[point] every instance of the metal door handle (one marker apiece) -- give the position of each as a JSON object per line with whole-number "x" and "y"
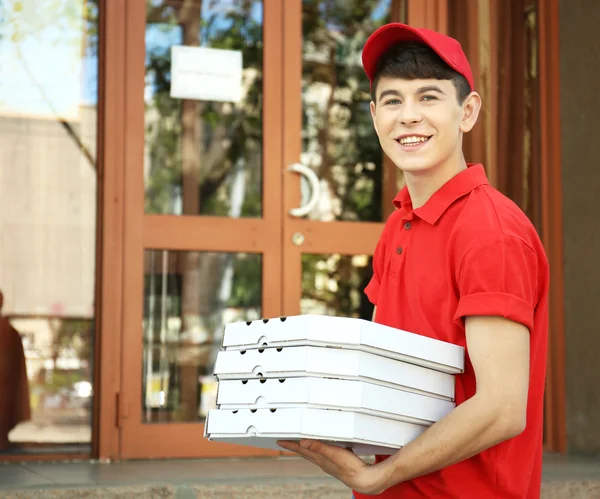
{"x": 313, "y": 180}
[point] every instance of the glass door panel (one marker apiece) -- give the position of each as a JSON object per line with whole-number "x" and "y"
{"x": 339, "y": 187}
{"x": 48, "y": 199}
{"x": 338, "y": 139}
{"x": 188, "y": 298}
{"x": 202, "y": 156}
{"x": 333, "y": 285}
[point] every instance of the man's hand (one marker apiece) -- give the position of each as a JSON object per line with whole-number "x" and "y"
{"x": 340, "y": 463}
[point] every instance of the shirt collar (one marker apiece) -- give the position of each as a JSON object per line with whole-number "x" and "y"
{"x": 454, "y": 189}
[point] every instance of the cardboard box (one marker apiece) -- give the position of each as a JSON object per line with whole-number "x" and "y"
{"x": 336, "y": 394}
{"x": 366, "y": 434}
{"x": 345, "y": 333}
{"x": 293, "y": 362}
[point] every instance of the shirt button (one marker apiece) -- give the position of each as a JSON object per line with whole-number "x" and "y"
{"x": 407, "y": 226}
{"x": 399, "y": 250}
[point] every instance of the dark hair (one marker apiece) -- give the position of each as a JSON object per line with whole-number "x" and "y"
{"x": 412, "y": 61}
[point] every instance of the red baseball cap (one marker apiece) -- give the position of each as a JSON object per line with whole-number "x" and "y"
{"x": 390, "y": 34}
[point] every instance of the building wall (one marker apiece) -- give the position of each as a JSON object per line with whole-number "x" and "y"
{"x": 47, "y": 215}
{"x": 580, "y": 108}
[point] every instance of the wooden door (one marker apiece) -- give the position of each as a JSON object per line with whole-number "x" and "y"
{"x": 202, "y": 231}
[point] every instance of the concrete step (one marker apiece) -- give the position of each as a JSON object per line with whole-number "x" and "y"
{"x": 292, "y": 490}
{"x": 292, "y": 478}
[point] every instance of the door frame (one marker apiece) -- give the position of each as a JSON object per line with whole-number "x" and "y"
{"x": 111, "y": 193}
{"x": 552, "y": 221}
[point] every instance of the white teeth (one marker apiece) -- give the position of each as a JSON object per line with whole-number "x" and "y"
{"x": 407, "y": 141}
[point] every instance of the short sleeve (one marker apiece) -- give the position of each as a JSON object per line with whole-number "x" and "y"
{"x": 499, "y": 278}
{"x": 372, "y": 289}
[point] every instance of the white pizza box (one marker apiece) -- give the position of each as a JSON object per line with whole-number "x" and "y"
{"x": 367, "y": 435}
{"x": 336, "y": 394}
{"x": 293, "y": 362}
{"x": 345, "y": 332}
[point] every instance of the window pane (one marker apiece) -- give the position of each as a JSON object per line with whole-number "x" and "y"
{"x": 48, "y": 175}
{"x": 338, "y": 138}
{"x": 188, "y": 298}
{"x": 334, "y": 285}
{"x": 203, "y": 157}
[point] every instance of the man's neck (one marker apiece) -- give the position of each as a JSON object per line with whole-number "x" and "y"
{"x": 421, "y": 186}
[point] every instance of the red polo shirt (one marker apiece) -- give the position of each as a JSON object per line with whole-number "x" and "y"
{"x": 468, "y": 251}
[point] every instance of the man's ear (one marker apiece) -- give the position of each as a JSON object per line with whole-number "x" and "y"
{"x": 471, "y": 107}
{"x": 373, "y": 117}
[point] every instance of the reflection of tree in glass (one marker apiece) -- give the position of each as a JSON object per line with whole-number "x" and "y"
{"x": 334, "y": 284}
{"x": 70, "y": 337}
{"x": 197, "y": 148}
{"x": 194, "y": 146}
{"x": 338, "y": 136}
{"x": 340, "y": 143}
{"x": 57, "y": 23}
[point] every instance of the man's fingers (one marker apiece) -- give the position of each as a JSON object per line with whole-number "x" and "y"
{"x": 289, "y": 445}
{"x": 316, "y": 451}
{"x": 331, "y": 452}
{"x": 300, "y": 448}
{"x": 310, "y": 445}
{"x": 296, "y": 447}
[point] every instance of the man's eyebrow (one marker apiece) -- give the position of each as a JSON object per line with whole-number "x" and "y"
{"x": 430, "y": 88}
{"x": 385, "y": 93}
{"x": 420, "y": 90}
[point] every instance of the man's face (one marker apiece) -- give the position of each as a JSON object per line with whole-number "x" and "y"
{"x": 420, "y": 122}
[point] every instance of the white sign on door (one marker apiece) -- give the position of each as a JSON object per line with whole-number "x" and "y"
{"x": 206, "y": 74}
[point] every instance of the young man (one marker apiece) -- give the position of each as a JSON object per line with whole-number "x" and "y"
{"x": 459, "y": 262}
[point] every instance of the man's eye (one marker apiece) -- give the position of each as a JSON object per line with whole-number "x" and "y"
{"x": 392, "y": 102}
{"x": 429, "y": 97}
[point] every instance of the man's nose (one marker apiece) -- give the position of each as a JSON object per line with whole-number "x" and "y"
{"x": 409, "y": 114}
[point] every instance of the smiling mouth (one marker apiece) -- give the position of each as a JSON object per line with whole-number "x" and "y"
{"x": 413, "y": 141}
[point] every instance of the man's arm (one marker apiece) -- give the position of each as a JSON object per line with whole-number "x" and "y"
{"x": 499, "y": 351}
{"x": 374, "y": 312}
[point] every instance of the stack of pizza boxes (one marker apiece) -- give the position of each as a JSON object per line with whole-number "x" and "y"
{"x": 340, "y": 380}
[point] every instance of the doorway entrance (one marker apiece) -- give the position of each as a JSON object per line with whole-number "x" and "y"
{"x": 258, "y": 200}
{"x": 265, "y": 206}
